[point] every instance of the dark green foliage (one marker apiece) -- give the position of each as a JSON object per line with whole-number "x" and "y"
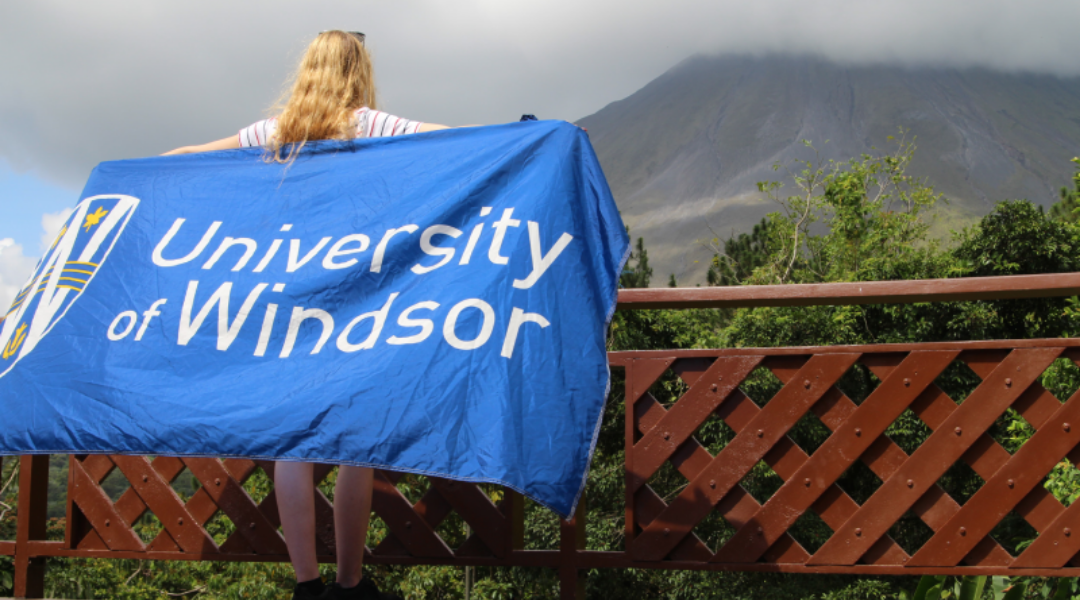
{"x": 639, "y": 275}
{"x": 1019, "y": 238}
{"x": 742, "y": 254}
{"x": 1065, "y": 209}
{"x": 8, "y": 498}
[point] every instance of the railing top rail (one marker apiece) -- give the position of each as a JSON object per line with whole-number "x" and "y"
{"x": 861, "y": 292}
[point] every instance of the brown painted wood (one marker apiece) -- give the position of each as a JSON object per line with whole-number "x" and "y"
{"x": 474, "y": 506}
{"x": 418, "y": 537}
{"x": 644, "y": 373}
{"x": 1065, "y": 344}
{"x": 862, "y": 292}
{"x": 113, "y": 529}
{"x": 237, "y": 505}
{"x": 1003, "y": 491}
{"x": 165, "y": 504}
{"x": 736, "y": 460}
{"x": 935, "y": 456}
{"x": 785, "y": 457}
{"x": 839, "y": 451}
{"x": 97, "y": 467}
{"x": 985, "y": 456}
{"x": 630, "y": 397}
{"x": 691, "y": 369}
{"x": 76, "y": 526}
{"x": 31, "y": 525}
{"x": 692, "y": 458}
{"x": 692, "y": 409}
{"x": 572, "y": 540}
{"x": 513, "y": 506}
{"x": 935, "y": 507}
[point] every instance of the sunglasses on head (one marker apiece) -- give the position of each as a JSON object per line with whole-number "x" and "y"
{"x": 355, "y": 34}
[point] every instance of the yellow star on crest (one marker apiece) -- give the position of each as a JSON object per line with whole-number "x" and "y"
{"x": 94, "y": 219}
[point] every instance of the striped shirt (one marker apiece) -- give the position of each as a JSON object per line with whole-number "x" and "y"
{"x": 369, "y": 123}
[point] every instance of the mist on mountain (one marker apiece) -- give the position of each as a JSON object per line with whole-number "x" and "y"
{"x": 684, "y": 153}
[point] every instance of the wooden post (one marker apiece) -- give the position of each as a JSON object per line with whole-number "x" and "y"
{"x": 572, "y": 539}
{"x": 33, "y": 511}
{"x": 513, "y": 506}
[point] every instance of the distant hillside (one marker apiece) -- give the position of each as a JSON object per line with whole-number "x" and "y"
{"x": 689, "y": 147}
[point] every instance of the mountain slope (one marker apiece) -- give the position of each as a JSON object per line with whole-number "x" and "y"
{"x": 684, "y": 153}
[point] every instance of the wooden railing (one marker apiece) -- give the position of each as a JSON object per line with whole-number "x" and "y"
{"x": 714, "y": 519}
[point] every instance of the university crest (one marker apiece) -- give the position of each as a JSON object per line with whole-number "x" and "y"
{"x": 63, "y": 274}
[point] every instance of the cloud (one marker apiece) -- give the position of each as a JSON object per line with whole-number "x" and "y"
{"x": 15, "y": 269}
{"x": 51, "y": 224}
{"x": 107, "y": 80}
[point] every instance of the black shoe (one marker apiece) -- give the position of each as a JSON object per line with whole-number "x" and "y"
{"x": 365, "y": 590}
{"x": 307, "y": 591}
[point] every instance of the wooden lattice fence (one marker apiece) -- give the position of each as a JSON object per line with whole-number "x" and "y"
{"x": 691, "y": 504}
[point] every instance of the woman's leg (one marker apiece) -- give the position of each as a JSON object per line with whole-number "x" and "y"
{"x": 295, "y": 489}
{"x": 352, "y": 509}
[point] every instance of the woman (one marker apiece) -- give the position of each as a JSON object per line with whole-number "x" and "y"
{"x": 333, "y": 98}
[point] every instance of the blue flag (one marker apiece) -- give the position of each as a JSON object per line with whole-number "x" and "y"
{"x": 432, "y": 303}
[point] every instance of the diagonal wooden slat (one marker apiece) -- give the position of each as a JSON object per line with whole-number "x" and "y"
{"x": 935, "y": 456}
{"x": 936, "y": 506}
{"x": 1004, "y": 490}
{"x": 649, "y": 505}
{"x": 418, "y": 537}
{"x": 97, "y": 467}
{"x": 692, "y": 409}
{"x": 838, "y": 452}
{"x": 643, "y": 374}
{"x": 99, "y": 510}
{"x": 834, "y": 506}
{"x": 474, "y": 506}
{"x": 691, "y": 459}
{"x": 237, "y": 505}
{"x": 432, "y": 509}
{"x": 1056, "y": 545}
{"x": 884, "y": 457}
{"x": 736, "y": 460}
{"x": 163, "y": 502}
{"x": 691, "y": 369}
{"x": 985, "y": 456}
{"x": 324, "y": 511}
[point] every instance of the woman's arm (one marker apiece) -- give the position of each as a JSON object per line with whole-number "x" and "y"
{"x": 227, "y": 143}
{"x": 426, "y": 127}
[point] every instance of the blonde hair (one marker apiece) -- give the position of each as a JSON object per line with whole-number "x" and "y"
{"x": 333, "y": 80}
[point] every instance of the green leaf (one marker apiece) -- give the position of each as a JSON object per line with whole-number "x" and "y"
{"x": 927, "y": 583}
{"x": 971, "y": 587}
{"x": 1064, "y": 588}
{"x": 998, "y": 585}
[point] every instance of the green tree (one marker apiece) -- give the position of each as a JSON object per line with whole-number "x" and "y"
{"x": 1065, "y": 209}
{"x": 741, "y": 255}
{"x": 1018, "y": 237}
{"x": 638, "y": 275}
{"x": 848, "y": 221}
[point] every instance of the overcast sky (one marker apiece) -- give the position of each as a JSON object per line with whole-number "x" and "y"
{"x": 83, "y": 82}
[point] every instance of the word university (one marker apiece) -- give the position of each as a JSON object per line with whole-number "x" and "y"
{"x": 434, "y": 303}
